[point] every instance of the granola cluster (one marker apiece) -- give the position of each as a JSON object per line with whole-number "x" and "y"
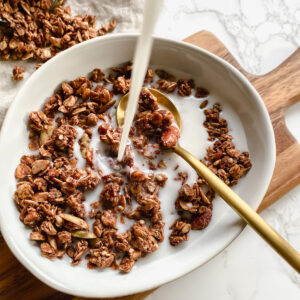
{"x": 18, "y": 73}
{"x": 41, "y": 29}
{"x": 194, "y": 205}
{"x": 227, "y": 162}
{"x": 52, "y": 189}
{"x": 152, "y": 123}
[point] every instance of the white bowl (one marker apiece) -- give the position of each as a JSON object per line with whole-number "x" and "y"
{"x": 155, "y": 269}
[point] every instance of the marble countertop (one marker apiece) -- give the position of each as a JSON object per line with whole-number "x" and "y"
{"x": 260, "y": 34}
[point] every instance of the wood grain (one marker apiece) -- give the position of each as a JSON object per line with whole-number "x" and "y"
{"x": 279, "y": 89}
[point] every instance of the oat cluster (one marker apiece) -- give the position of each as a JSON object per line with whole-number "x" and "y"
{"x": 51, "y": 188}
{"x": 18, "y": 73}
{"x": 194, "y": 203}
{"x": 31, "y": 29}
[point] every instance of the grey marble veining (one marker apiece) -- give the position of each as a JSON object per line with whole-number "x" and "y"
{"x": 249, "y": 28}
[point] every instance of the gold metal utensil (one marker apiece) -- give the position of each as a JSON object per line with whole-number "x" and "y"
{"x": 276, "y": 241}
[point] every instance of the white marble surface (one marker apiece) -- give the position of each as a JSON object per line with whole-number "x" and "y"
{"x": 260, "y": 34}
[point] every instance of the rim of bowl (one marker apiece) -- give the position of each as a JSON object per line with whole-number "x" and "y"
{"x": 270, "y": 164}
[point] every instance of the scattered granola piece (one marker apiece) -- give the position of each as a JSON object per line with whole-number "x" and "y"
{"x": 18, "y": 73}
{"x": 203, "y": 104}
{"x": 167, "y": 86}
{"x": 162, "y": 164}
{"x": 201, "y": 93}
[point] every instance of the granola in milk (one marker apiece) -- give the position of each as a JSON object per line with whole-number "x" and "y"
{"x": 51, "y": 189}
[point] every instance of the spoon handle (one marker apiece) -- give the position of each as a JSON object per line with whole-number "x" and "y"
{"x": 273, "y": 238}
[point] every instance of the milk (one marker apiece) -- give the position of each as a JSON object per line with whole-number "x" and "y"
{"x": 193, "y": 138}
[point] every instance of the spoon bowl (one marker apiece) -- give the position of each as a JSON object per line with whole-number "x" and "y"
{"x": 162, "y": 99}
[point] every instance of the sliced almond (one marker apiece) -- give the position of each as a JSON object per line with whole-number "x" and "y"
{"x": 186, "y": 228}
{"x": 46, "y": 134}
{"x": 188, "y": 206}
{"x": 40, "y": 166}
{"x": 83, "y": 234}
{"x": 75, "y": 220}
{"x": 52, "y": 241}
{"x": 84, "y": 144}
{"x": 59, "y": 221}
{"x": 70, "y": 102}
{"x": 29, "y": 202}
{"x": 78, "y": 110}
{"x": 203, "y": 196}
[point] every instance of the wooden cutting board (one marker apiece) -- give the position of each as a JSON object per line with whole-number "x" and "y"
{"x": 279, "y": 89}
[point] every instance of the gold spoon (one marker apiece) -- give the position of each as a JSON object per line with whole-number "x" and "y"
{"x": 277, "y": 242}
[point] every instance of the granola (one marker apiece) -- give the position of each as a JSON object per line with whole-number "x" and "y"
{"x": 39, "y": 30}
{"x": 52, "y": 188}
{"x": 18, "y": 73}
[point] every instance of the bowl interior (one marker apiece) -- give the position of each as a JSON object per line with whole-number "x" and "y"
{"x": 166, "y": 264}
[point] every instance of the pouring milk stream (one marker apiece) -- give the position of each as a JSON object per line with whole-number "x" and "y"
{"x": 140, "y": 64}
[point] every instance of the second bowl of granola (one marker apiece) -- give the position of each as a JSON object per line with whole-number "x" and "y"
{"x": 87, "y": 225}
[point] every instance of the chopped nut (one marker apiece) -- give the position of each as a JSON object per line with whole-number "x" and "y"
{"x": 201, "y": 221}
{"x": 170, "y": 137}
{"x": 184, "y": 88}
